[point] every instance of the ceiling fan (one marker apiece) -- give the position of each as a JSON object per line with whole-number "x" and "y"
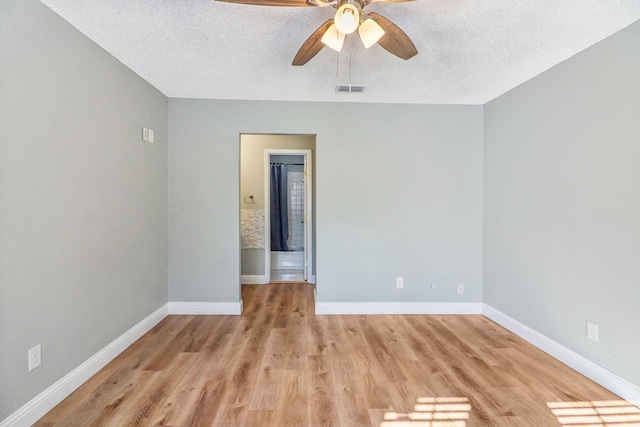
{"x": 372, "y": 28}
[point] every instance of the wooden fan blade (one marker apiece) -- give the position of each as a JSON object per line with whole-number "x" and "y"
{"x": 285, "y": 3}
{"x": 312, "y": 45}
{"x": 389, "y": 1}
{"x": 394, "y": 41}
{"x": 322, "y": 3}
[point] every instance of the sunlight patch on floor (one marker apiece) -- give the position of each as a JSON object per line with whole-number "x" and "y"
{"x": 432, "y": 412}
{"x": 607, "y": 413}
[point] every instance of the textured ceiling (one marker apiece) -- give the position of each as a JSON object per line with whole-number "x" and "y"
{"x": 470, "y": 51}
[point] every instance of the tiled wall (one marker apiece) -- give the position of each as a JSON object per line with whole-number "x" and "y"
{"x": 295, "y": 203}
{"x": 252, "y": 229}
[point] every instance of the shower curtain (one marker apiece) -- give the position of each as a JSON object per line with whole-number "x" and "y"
{"x": 279, "y": 212}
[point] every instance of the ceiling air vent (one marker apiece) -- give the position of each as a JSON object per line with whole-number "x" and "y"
{"x": 350, "y": 89}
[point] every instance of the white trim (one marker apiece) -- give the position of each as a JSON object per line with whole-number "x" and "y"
{"x": 398, "y": 308}
{"x": 312, "y": 279}
{"x": 308, "y": 244}
{"x": 586, "y": 367}
{"x": 308, "y": 212}
{"x": 267, "y": 213}
{"x": 254, "y": 280}
{"x": 205, "y": 308}
{"x": 37, "y": 407}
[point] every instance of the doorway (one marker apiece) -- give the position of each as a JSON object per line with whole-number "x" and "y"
{"x": 288, "y": 224}
{"x": 295, "y": 259}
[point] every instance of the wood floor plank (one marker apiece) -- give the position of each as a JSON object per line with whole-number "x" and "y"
{"x": 292, "y": 410}
{"x": 322, "y": 399}
{"x": 383, "y": 351}
{"x": 348, "y": 390}
{"x": 260, "y": 418}
{"x": 208, "y": 404}
{"x": 126, "y": 410}
{"x": 270, "y": 380}
{"x": 232, "y": 416}
{"x": 281, "y": 365}
{"x": 283, "y": 309}
{"x": 372, "y": 363}
{"x": 316, "y": 338}
{"x": 178, "y": 343}
{"x": 183, "y": 391}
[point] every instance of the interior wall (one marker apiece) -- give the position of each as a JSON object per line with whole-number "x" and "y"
{"x": 398, "y": 193}
{"x": 252, "y": 148}
{"x": 562, "y": 202}
{"x": 83, "y": 200}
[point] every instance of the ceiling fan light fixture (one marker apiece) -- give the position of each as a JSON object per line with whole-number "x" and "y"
{"x": 333, "y": 38}
{"x": 370, "y": 32}
{"x": 347, "y": 18}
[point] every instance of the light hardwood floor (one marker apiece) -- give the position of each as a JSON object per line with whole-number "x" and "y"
{"x": 280, "y": 365}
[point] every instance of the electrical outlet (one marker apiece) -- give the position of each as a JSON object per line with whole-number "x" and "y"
{"x": 35, "y": 357}
{"x": 434, "y": 285}
{"x": 460, "y": 288}
{"x": 399, "y": 282}
{"x": 592, "y": 331}
{"x": 147, "y": 134}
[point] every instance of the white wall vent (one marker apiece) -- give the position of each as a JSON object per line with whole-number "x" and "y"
{"x": 350, "y": 89}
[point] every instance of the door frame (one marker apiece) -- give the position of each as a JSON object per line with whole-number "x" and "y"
{"x": 308, "y": 206}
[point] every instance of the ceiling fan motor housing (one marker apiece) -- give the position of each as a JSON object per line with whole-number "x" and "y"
{"x": 347, "y": 17}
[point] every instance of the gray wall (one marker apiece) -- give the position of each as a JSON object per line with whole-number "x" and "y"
{"x": 83, "y": 216}
{"x": 398, "y": 193}
{"x": 562, "y": 203}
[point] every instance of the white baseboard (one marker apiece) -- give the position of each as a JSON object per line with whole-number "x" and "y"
{"x": 398, "y": 308}
{"x": 589, "y": 369}
{"x": 253, "y": 280}
{"x": 205, "y": 308}
{"x": 33, "y": 410}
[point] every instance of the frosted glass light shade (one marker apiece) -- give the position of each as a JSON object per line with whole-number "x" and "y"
{"x": 333, "y": 38}
{"x": 370, "y": 32}
{"x": 347, "y": 18}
